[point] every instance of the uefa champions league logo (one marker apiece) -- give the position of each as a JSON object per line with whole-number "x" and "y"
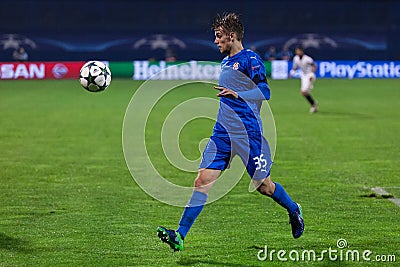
{"x": 311, "y": 40}
{"x": 14, "y": 41}
{"x": 162, "y": 41}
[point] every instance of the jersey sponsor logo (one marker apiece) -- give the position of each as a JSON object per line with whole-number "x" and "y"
{"x": 235, "y": 66}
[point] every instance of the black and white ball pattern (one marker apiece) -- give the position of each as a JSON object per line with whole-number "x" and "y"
{"x": 95, "y": 76}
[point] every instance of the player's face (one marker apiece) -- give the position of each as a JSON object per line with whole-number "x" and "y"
{"x": 299, "y": 52}
{"x": 223, "y": 41}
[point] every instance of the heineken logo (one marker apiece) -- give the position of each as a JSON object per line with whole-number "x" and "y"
{"x": 192, "y": 70}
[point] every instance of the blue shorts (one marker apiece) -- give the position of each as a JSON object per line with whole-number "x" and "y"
{"x": 253, "y": 150}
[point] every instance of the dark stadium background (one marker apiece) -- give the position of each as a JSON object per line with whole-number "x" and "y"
{"x": 123, "y": 30}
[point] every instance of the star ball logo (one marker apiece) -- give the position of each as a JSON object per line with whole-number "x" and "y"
{"x": 14, "y": 41}
{"x": 161, "y": 41}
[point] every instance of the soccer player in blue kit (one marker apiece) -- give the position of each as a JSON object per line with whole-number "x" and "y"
{"x": 237, "y": 131}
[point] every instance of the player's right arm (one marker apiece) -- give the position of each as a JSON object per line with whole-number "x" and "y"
{"x": 294, "y": 68}
{"x": 226, "y": 92}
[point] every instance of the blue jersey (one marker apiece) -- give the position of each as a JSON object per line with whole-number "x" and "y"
{"x": 245, "y": 74}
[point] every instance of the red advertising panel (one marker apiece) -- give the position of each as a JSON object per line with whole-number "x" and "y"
{"x": 40, "y": 70}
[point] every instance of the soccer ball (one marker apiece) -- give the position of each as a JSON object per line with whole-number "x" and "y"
{"x": 95, "y": 76}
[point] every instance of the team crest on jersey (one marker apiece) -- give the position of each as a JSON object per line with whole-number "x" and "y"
{"x": 235, "y": 66}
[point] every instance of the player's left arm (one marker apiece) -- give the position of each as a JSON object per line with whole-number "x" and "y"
{"x": 257, "y": 74}
{"x": 314, "y": 67}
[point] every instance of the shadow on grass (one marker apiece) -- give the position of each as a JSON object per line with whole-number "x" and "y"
{"x": 372, "y": 195}
{"x": 14, "y": 244}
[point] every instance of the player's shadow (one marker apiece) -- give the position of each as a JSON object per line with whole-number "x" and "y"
{"x": 14, "y": 244}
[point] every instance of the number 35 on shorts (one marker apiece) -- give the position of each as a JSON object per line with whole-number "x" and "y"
{"x": 261, "y": 163}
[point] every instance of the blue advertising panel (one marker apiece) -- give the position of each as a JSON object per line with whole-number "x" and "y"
{"x": 342, "y": 69}
{"x": 358, "y": 69}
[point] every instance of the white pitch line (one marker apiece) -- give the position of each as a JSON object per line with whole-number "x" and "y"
{"x": 382, "y": 192}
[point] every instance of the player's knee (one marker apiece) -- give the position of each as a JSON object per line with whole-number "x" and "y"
{"x": 200, "y": 181}
{"x": 304, "y": 93}
{"x": 197, "y": 182}
{"x": 267, "y": 188}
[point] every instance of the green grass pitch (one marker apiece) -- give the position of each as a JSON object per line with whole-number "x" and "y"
{"x": 67, "y": 197}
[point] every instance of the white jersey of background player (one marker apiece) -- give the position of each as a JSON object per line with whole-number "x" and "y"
{"x": 307, "y": 66}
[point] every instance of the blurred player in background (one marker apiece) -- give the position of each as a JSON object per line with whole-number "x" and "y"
{"x": 308, "y": 68}
{"x": 237, "y": 131}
